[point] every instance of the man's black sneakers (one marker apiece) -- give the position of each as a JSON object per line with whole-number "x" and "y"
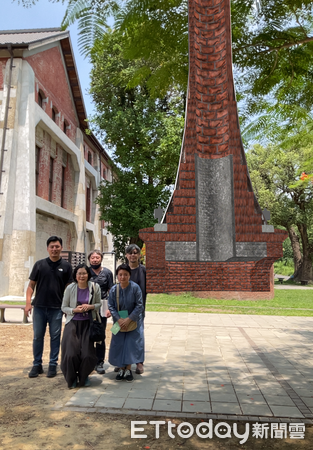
{"x": 35, "y": 371}
{"x": 52, "y": 371}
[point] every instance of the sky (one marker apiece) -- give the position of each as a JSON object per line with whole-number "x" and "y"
{"x": 45, "y": 14}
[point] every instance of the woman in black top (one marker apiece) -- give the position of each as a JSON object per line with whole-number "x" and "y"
{"x": 103, "y": 277}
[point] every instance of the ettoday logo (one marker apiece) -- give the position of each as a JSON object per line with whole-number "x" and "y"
{"x": 222, "y": 430}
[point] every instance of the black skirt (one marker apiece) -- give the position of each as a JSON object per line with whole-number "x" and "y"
{"x": 78, "y": 352}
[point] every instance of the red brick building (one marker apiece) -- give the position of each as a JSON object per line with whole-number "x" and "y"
{"x": 50, "y": 169}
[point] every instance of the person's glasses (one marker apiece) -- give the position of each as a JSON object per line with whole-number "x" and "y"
{"x": 133, "y": 253}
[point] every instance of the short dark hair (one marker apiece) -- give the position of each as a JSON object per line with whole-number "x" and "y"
{"x": 131, "y": 248}
{"x": 124, "y": 267}
{"x": 54, "y": 239}
{"x": 81, "y": 266}
{"x": 98, "y": 252}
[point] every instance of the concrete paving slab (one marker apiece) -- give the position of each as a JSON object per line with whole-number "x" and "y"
{"x": 279, "y": 400}
{"x": 286, "y": 411}
{"x": 106, "y": 401}
{"x": 84, "y": 397}
{"x": 251, "y": 399}
{"x": 169, "y": 394}
{"x": 138, "y": 403}
{"x": 225, "y": 408}
{"x": 256, "y": 410}
{"x": 223, "y": 397}
{"x": 191, "y": 395}
{"x": 167, "y": 405}
{"x": 197, "y": 407}
{"x": 139, "y": 393}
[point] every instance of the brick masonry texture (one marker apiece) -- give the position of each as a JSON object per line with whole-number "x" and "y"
{"x": 52, "y": 82}
{"x": 212, "y": 132}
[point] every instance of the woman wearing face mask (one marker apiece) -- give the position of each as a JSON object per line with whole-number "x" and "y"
{"x": 103, "y": 277}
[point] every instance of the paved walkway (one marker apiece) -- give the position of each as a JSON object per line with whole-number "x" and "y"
{"x": 238, "y": 367}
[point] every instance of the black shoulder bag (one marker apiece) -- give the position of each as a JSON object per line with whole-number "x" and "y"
{"x": 96, "y": 329}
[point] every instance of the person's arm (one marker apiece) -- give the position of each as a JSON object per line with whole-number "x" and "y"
{"x": 112, "y": 305}
{"x": 97, "y": 299}
{"x": 29, "y": 293}
{"x": 134, "y": 315}
{"x": 66, "y": 302}
{"x": 70, "y": 279}
{"x": 110, "y": 285}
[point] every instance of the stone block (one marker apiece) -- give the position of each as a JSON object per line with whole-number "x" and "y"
{"x": 215, "y": 216}
{"x": 180, "y": 251}
{"x": 160, "y": 227}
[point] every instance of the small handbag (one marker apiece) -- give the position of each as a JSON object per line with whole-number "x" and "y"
{"x": 132, "y": 324}
{"x": 96, "y": 329}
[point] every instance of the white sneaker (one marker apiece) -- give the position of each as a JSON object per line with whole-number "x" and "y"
{"x": 128, "y": 376}
{"x": 120, "y": 375}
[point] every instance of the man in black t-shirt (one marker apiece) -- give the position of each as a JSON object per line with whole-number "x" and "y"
{"x": 138, "y": 276}
{"x": 50, "y": 276}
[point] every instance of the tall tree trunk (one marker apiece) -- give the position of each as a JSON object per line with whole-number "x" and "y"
{"x": 295, "y": 245}
{"x": 135, "y": 240}
{"x": 305, "y": 271}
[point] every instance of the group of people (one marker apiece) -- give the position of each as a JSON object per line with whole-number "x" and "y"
{"x": 79, "y": 294}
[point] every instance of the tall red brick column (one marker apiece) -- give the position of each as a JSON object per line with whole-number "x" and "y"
{"x": 213, "y": 236}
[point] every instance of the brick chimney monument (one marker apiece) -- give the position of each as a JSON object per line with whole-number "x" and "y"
{"x": 213, "y": 237}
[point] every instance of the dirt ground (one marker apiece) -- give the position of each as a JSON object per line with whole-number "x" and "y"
{"x": 28, "y": 423}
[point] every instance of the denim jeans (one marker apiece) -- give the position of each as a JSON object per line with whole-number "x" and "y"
{"x": 42, "y": 316}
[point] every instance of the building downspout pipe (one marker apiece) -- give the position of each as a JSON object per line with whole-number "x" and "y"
{"x": 6, "y": 116}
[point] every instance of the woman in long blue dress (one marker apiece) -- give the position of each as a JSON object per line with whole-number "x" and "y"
{"x": 127, "y": 347}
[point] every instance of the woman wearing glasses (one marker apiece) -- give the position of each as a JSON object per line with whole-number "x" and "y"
{"x": 78, "y": 352}
{"x": 138, "y": 276}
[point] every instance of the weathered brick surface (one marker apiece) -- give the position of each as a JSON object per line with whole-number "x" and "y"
{"x": 52, "y": 81}
{"x": 212, "y": 131}
{"x": 3, "y": 62}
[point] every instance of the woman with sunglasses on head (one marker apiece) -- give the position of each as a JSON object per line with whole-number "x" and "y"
{"x": 138, "y": 276}
{"x": 104, "y": 278}
{"x": 78, "y": 352}
{"x": 127, "y": 347}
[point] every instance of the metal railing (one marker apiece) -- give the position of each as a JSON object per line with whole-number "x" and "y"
{"x": 74, "y": 258}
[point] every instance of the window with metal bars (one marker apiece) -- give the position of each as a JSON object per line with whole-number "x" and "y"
{"x": 51, "y": 179}
{"x": 37, "y": 167}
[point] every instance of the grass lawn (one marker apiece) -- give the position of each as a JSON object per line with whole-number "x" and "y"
{"x": 293, "y": 302}
{"x": 287, "y": 302}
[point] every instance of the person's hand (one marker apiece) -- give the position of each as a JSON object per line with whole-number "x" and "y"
{"x": 108, "y": 314}
{"x": 28, "y": 309}
{"x": 78, "y": 309}
{"x": 124, "y": 323}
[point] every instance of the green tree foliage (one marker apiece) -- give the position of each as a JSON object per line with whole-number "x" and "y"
{"x": 274, "y": 173}
{"x": 274, "y": 52}
{"x": 91, "y": 18}
{"x": 144, "y": 135}
{"x": 156, "y": 33}
{"x": 272, "y": 47}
